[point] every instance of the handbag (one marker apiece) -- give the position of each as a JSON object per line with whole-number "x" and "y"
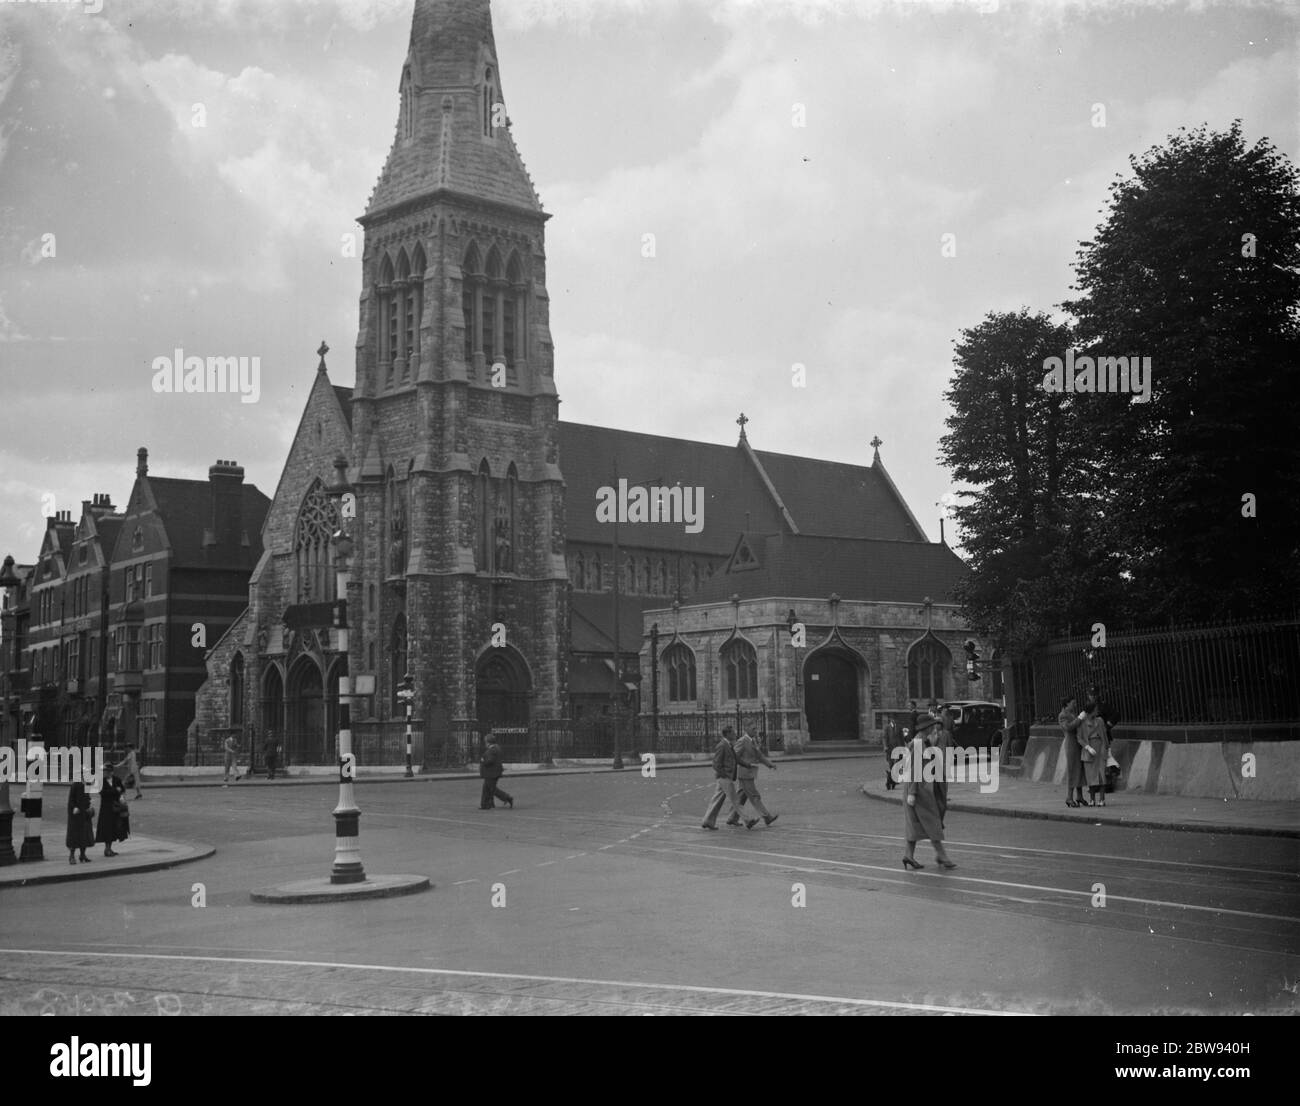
{"x": 1111, "y": 762}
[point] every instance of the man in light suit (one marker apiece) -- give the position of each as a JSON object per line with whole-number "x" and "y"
{"x": 748, "y": 757}
{"x": 724, "y": 773}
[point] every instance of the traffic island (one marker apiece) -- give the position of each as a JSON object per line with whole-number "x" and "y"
{"x": 322, "y": 890}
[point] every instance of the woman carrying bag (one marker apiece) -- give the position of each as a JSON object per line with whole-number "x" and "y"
{"x": 1093, "y": 747}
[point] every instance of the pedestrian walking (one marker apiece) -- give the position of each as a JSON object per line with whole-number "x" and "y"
{"x": 1069, "y": 720}
{"x": 724, "y": 774}
{"x": 231, "y": 750}
{"x": 81, "y": 823}
{"x": 114, "y": 819}
{"x": 271, "y": 751}
{"x": 892, "y": 740}
{"x": 129, "y": 769}
{"x": 491, "y": 768}
{"x": 1093, "y": 747}
{"x": 922, "y": 818}
{"x": 748, "y": 757}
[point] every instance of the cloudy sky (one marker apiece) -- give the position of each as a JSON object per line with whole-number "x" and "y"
{"x": 776, "y": 245}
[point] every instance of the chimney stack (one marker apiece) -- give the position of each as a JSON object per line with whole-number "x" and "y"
{"x": 226, "y": 484}
{"x": 141, "y": 462}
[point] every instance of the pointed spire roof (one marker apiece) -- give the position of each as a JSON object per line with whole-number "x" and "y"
{"x": 449, "y": 81}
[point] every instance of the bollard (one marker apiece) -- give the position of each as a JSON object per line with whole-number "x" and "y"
{"x": 31, "y": 802}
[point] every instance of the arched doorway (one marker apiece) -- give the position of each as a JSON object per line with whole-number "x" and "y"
{"x": 272, "y": 702}
{"x": 501, "y": 686}
{"x": 305, "y": 740}
{"x": 830, "y": 695}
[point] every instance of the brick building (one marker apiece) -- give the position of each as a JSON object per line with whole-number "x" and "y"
{"x": 480, "y": 563}
{"x": 176, "y": 579}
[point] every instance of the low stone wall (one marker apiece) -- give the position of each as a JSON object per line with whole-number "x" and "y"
{"x": 1209, "y": 769}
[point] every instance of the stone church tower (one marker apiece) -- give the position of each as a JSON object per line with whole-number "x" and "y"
{"x": 460, "y": 503}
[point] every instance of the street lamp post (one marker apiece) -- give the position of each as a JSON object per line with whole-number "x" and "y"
{"x": 406, "y": 693}
{"x": 8, "y": 579}
{"x": 347, "y": 817}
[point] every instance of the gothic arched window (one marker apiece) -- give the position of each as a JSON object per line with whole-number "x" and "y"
{"x": 237, "y": 690}
{"x": 471, "y": 292}
{"x": 579, "y": 572}
{"x": 313, "y": 555}
{"x": 413, "y": 301}
{"x": 740, "y": 669}
{"x": 679, "y": 668}
{"x": 482, "y": 519}
{"x": 490, "y": 307}
{"x": 387, "y": 320}
{"x": 503, "y": 531}
{"x": 398, "y": 661}
{"x": 927, "y": 664}
{"x": 661, "y": 581}
{"x": 395, "y": 517}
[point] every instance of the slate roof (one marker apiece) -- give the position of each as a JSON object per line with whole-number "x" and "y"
{"x": 801, "y": 566}
{"x": 344, "y": 396}
{"x": 592, "y": 624}
{"x": 448, "y": 150}
{"x": 823, "y": 497}
{"x": 185, "y": 508}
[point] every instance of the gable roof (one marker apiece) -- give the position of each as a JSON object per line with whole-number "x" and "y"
{"x": 800, "y": 566}
{"x": 823, "y": 497}
{"x": 185, "y": 508}
{"x": 344, "y": 396}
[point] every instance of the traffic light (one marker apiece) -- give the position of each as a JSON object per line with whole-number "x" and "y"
{"x": 972, "y": 659}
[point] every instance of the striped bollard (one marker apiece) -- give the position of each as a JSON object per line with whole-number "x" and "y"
{"x": 347, "y": 817}
{"x": 31, "y": 803}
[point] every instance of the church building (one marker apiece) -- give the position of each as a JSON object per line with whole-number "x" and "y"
{"x": 481, "y": 562}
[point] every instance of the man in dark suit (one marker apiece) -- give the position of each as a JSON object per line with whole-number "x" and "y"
{"x": 490, "y": 767}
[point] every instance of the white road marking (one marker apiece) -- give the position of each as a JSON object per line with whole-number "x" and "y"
{"x": 949, "y": 879}
{"x": 460, "y": 881}
{"x": 683, "y": 988}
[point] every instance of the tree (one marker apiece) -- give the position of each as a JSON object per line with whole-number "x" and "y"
{"x": 1034, "y": 526}
{"x": 1198, "y": 267}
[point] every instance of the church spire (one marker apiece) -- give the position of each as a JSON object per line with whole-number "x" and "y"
{"x": 453, "y": 133}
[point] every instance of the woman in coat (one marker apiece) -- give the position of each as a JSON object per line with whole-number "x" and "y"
{"x": 922, "y": 815}
{"x": 1069, "y": 721}
{"x": 111, "y": 826}
{"x": 81, "y": 826}
{"x": 1091, "y": 735}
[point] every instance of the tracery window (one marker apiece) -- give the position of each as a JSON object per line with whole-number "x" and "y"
{"x": 927, "y": 664}
{"x": 679, "y": 667}
{"x": 313, "y": 555}
{"x": 740, "y": 669}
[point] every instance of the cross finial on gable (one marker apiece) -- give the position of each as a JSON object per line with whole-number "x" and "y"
{"x": 324, "y": 349}
{"x": 875, "y": 444}
{"x": 741, "y": 423}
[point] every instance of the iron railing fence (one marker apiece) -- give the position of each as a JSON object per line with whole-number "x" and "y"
{"x": 1230, "y": 673}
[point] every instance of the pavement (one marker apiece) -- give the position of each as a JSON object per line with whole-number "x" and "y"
{"x": 135, "y": 854}
{"x": 1016, "y": 798}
